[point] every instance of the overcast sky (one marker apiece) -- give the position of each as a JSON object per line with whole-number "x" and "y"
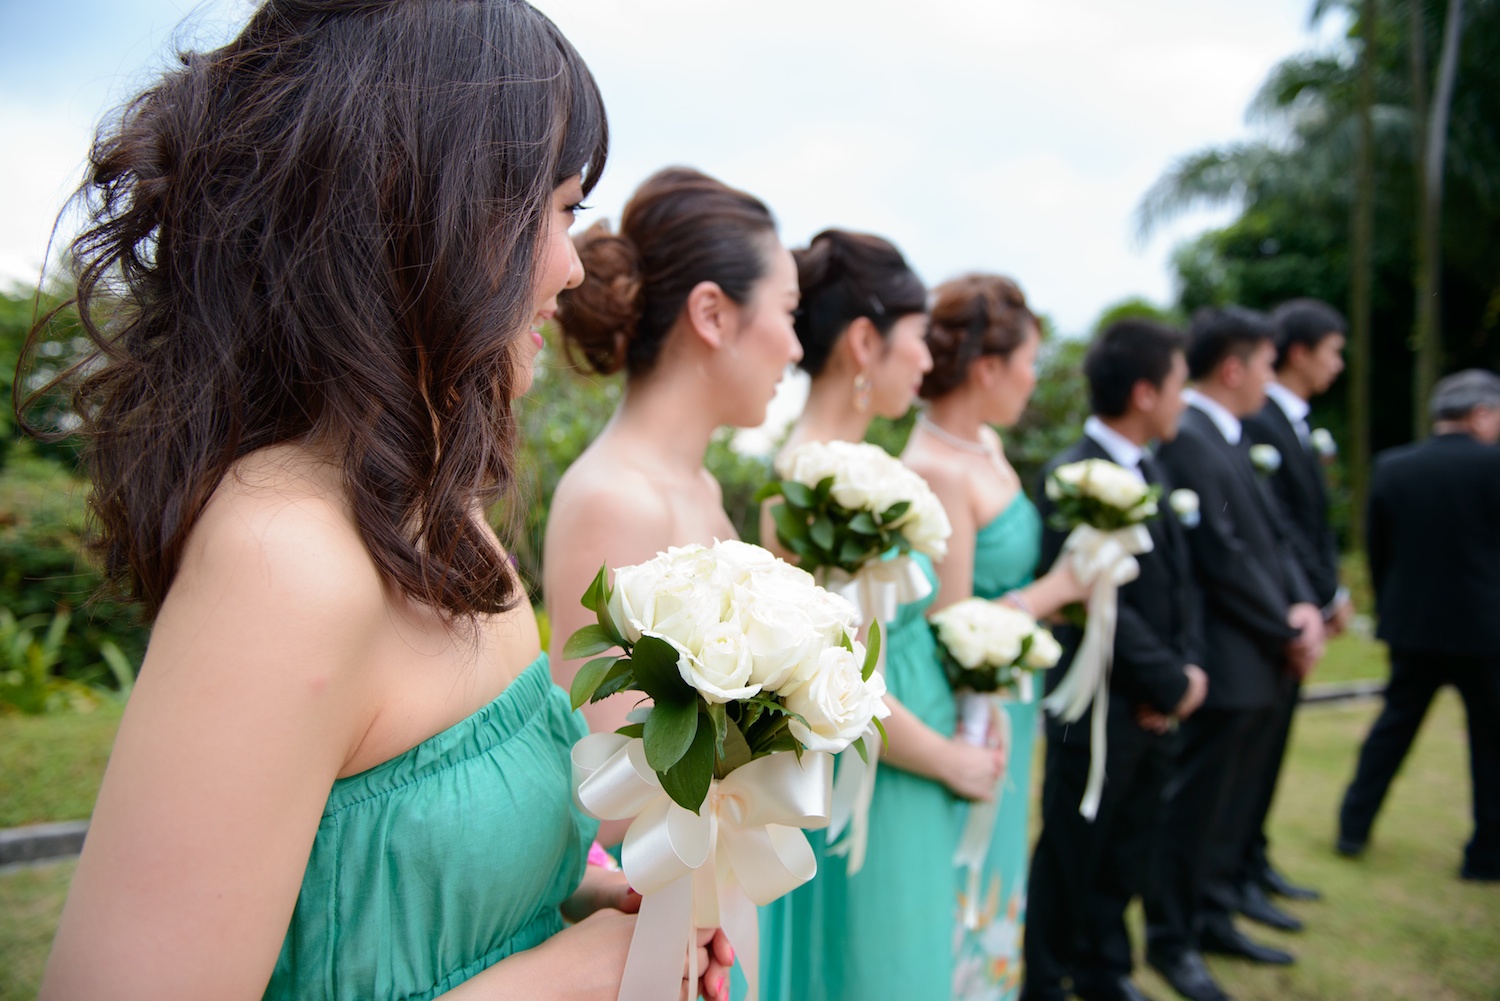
{"x": 1005, "y": 135}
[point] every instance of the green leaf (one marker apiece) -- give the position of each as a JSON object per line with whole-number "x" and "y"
{"x": 656, "y": 672}
{"x": 765, "y": 493}
{"x": 736, "y": 751}
{"x": 587, "y": 642}
{"x": 688, "y": 779}
{"x": 772, "y": 706}
{"x": 798, "y": 495}
{"x": 632, "y": 730}
{"x": 720, "y": 717}
{"x": 783, "y": 742}
{"x": 821, "y": 532}
{"x": 880, "y": 729}
{"x": 594, "y": 598}
{"x": 852, "y": 550}
{"x": 620, "y": 678}
{"x": 669, "y": 732}
{"x": 895, "y": 512}
{"x": 824, "y": 489}
{"x": 588, "y": 679}
{"x": 872, "y": 652}
{"x": 791, "y": 524}
{"x": 864, "y": 524}
{"x": 859, "y": 748}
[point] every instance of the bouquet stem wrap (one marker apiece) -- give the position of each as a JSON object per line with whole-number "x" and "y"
{"x": 876, "y": 590}
{"x": 709, "y": 869}
{"x": 976, "y": 713}
{"x": 1107, "y": 561}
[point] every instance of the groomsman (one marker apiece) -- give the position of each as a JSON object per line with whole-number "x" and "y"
{"x": 1258, "y": 618}
{"x": 1310, "y": 339}
{"x": 1434, "y": 547}
{"x": 1083, "y": 874}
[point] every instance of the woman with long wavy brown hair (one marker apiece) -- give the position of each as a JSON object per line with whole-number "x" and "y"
{"x": 315, "y": 267}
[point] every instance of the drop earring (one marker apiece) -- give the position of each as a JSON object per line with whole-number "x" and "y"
{"x": 862, "y": 393}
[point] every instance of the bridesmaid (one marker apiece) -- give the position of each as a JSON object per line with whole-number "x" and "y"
{"x": 693, "y": 299}
{"x": 886, "y": 932}
{"x": 983, "y": 341}
{"x": 343, "y": 772}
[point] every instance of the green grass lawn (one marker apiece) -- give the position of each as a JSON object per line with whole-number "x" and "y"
{"x": 51, "y": 766}
{"x": 1396, "y": 924}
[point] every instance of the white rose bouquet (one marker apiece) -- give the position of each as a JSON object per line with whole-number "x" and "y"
{"x": 1100, "y": 493}
{"x": 847, "y": 503}
{"x": 985, "y": 648}
{"x": 846, "y": 508}
{"x": 749, "y": 666}
{"x": 1104, "y": 508}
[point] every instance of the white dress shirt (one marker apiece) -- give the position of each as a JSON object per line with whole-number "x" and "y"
{"x": 1295, "y": 408}
{"x": 1124, "y": 452}
{"x": 1228, "y": 424}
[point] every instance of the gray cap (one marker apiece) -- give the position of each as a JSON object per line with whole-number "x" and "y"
{"x": 1456, "y": 395}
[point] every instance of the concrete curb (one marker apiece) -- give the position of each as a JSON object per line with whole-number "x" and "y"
{"x": 37, "y": 842}
{"x": 1334, "y": 692}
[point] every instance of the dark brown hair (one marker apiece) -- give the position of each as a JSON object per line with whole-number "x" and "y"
{"x": 681, "y": 227}
{"x": 1221, "y": 331}
{"x": 972, "y": 316}
{"x": 327, "y": 232}
{"x": 844, "y": 276}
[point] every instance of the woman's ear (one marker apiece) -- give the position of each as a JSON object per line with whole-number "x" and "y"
{"x": 710, "y": 314}
{"x": 866, "y": 346}
{"x": 988, "y": 371}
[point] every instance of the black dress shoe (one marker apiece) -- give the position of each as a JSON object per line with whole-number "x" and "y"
{"x": 1349, "y": 847}
{"x": 1189, "y": 976}
{"x": 1118, "y": 990}
{"x": 1255, "y": 905}
{"x": 1232, "y": 942}
{"x": 1276, "y": 883}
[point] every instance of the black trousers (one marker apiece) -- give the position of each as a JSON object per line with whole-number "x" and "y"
{"x": 1415, "y": 679}
{"x": 1084, "y": 873}
{"x": 1205, "y": 824}
{"x": 1256, "y": 864}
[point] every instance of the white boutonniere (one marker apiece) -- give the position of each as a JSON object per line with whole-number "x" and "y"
{"x": 1321, "y": 440}
{"x": 1184, "y": 504}
{"x": 1265, "y": 458}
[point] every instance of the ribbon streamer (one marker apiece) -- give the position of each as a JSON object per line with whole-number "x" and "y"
{"x": 710, "y": 869}
{"x": 1106, "y": 560}
{"x": 876, "y": 590}
{"x": 979, "y": 829}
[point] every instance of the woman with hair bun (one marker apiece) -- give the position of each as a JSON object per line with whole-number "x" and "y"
{"x": 693, "y": 300}
{"x": 886, "y": 931}
{"x": 314, "y": 270}
{"x": 984, "y": 341}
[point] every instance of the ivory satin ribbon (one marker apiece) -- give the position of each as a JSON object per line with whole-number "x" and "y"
{"x": 710, "y": 869}
{"x": 876, "y": 590}
{"x": 1107, "y": 560}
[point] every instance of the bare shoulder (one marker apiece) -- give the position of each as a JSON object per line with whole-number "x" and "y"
{"x": 601, "y": 494}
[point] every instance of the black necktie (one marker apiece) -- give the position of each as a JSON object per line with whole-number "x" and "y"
{"x": 1148, "y": 470}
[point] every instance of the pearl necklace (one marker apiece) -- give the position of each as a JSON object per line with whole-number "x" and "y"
{"x": 962, "y": 444}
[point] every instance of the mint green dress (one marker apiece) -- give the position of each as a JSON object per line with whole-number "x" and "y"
{"x": 444, "y": 860}
{"x": 886, "y": 932}
{"x": 988, "y": 962}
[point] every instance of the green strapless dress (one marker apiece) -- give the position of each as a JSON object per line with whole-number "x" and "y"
{"x": 444, "y": 860}
{"x": 888, "y": 931}
{"x": 989, "y": 958}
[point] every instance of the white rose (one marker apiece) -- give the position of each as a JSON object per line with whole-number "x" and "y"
{"x": 1266, "y": 458}
{"x": 1185, "y": 504}
{"x": 965, "y": 643}
{"x": 929, "y": 528}
{"x": 1321, "y": 439}
{"x": 1072, "y": 474}
{"x": 676, "y": 599}
{"x": 836, "y": 702}
{"x": 780, "y": 636}
{"x": 721, "y": 671}
{"x": 1045, "y": 650}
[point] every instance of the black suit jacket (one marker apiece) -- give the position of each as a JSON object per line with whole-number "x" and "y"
{"x": 1247, "y": 572}
{"x": 1159, "y": 630}
{"x": 1300, "y": 488}
{"x": 1434, "y": 545}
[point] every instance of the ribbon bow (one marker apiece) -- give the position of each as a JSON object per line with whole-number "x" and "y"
{"x": 710, "y": 869}
{"x": 1107, "y": 560}
{"x": 876, "y": 590}
{"x": 976, "y": 710}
